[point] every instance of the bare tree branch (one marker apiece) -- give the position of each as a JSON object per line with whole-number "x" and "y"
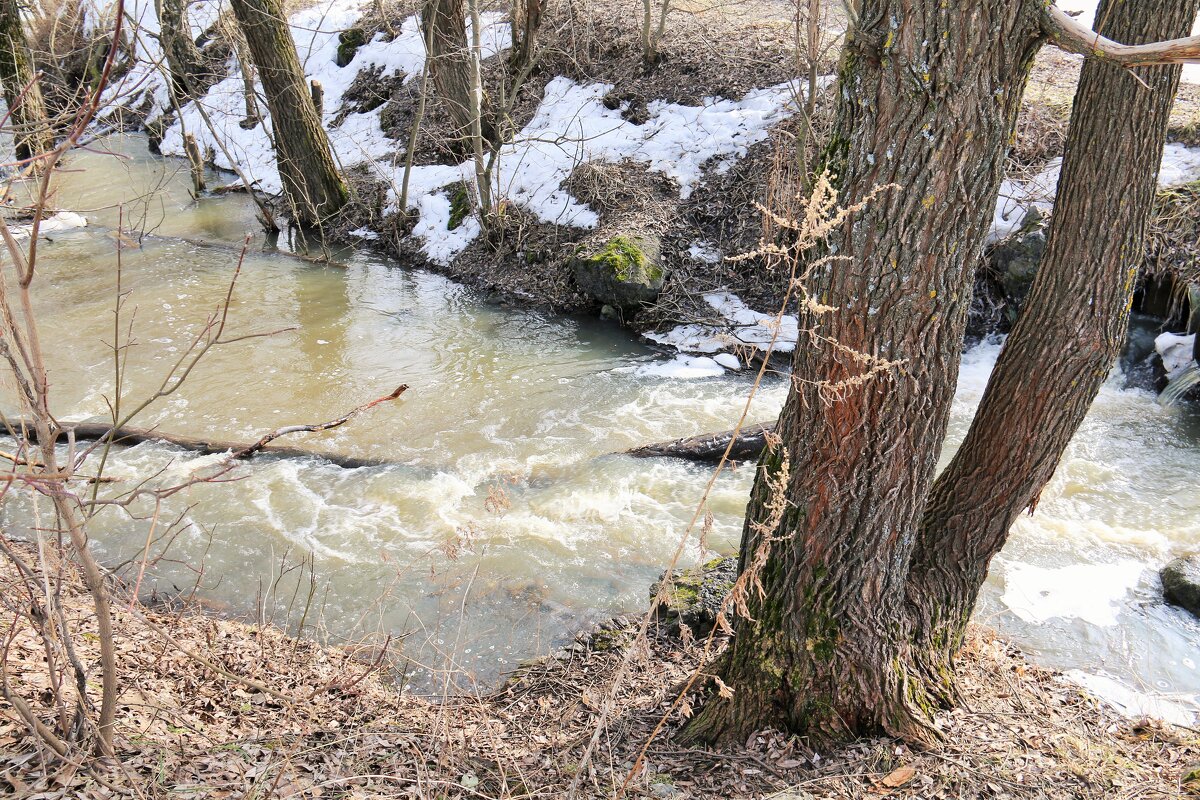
{"x": 1073, "y": 36}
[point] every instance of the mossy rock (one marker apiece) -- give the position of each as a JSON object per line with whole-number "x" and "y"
{"x": 1016, "y": 259}
{"x": 460, "y": 206}
{"x": 348, "y": 43}
{"x": 696, "y": 595}
{"x": 624, "y": 272}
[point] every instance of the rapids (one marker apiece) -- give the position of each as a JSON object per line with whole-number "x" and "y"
{"x": 506, "y": 522}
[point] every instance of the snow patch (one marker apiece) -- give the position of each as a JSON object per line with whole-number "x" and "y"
{"x": 62, "y": 221}
{"x": 728, "y": 361}
{"x": 704, "y": 252}
{"x": 743, "y": 326}
{"x": 1180, "y": 164}
{"x": 1175, "y": 350}
{"x": 571, "y": 125}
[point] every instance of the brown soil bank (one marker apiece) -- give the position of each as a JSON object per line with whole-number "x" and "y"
{"x": 213, "y": 708}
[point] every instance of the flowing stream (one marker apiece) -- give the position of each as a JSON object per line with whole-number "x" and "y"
{"x": 507, "y": 522}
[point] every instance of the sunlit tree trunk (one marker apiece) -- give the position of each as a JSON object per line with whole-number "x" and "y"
{"x": 310, "y": 177}
{"x": 175, "y": 34}
{"x": 32, "y": 134}
{"x": 1069, "y": 333}
{"x": 929, "y": 95}
{"x": 450, "y": 64}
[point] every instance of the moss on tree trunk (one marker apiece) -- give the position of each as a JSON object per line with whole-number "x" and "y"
{"x": 928, "y": 99}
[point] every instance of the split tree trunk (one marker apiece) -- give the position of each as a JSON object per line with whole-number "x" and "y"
{"x": 1069, "y": 333}
{"x": 928, "y": 99}
{"x": 449, "y": 62}
{"x": 183, "y": 57}
{"x": 311, "y": 181}
{"x": 30, "y": 125}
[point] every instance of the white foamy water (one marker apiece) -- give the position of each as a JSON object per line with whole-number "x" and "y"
{"x": 504, "y": 445}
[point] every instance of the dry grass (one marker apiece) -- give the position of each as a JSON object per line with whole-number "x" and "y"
{"x": 324, "y": 723}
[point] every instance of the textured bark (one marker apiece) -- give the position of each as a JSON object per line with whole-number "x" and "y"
{"x": 526, "y": 20}
{"x": 928, "y": 100}
{"x": 30, "y": 125}
{"x": 445, "y": 24}
{"x": 311, "y": 181}
{"x": 1070, "y": 331}
{"x": 183, "y": 57}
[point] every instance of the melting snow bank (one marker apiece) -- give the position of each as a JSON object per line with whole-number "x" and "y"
{"x": 1090, "y": 592}
{"x": 571, "y": 126}
{"x": 62, "y": 221}
{"x": 1175, "y": 350}
{"x": 1180, "y": 165}
{"x": 742, "y": 327}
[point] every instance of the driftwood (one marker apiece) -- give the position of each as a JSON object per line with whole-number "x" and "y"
{"x": 92, "y": 431}
{"x": 709, "y": 447}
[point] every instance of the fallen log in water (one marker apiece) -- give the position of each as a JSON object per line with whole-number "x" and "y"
{"x": 708, "y": 448}
{"x": 93, "y": 431}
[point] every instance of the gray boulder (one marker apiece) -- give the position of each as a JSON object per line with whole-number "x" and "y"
{"x": 1015, "y": 262}
{"x": 1181, "y": 583}
{"x": 624, "y": 272}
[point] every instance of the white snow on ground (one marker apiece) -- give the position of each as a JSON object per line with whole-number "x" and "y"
{"x": 1180, "y": 165}
{"x": 1176, "y": 709}
{"x": 1090, "y": 592}
{"x": 571, "y": 126}
{"x": 705, "y": 252}
{"x": 743, "y": 327}
{"x": 1175, "y": 350}
{"x": 728, "y": 361}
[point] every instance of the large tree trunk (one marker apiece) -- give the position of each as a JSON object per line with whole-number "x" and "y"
{"x": 445, "y": 26}
{"x": 310, "y": 178}
{"x": 928, "y": 99}
{"x": 183, "y": 57}
{"x": 31, "y": 127}
{"x": 1069, "y": 333}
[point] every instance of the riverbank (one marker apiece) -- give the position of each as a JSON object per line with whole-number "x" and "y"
{"x": 659, "y": 165}
{"x": 211, "y": 707}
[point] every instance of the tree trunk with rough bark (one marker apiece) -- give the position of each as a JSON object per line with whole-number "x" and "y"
{"x": 311, "y": 181}
{"x": 928, "y": 99}
{"x": 30, "y": 125}
{"x": 1070, "y": 331}
{"x": 450, "y": 60}
{"x": 183, "y": 57}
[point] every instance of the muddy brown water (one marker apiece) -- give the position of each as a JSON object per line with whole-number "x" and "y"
{"x": 503, "y": 444}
